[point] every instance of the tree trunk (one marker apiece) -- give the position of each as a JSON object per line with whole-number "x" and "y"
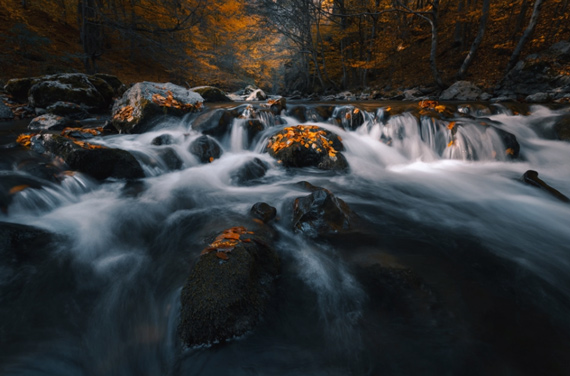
{"x": 471, "y": 55}
{"x": 526, "y": 35}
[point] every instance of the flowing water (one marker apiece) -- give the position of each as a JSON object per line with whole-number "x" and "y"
{"x": 458, "y": 268}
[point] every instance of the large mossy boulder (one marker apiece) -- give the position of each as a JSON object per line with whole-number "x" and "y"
{"x": 211, "y": 94}
{"x": 18, "y": 88}
{"x": 228, "y": 288}
{"x": 146, "y": 102}
{"x": 321, "y": 213}
{"x": 307, "y": 146}
{"x": 94, "y": 160}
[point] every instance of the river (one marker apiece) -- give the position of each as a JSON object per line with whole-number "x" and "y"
{"x": 458, "y": 268}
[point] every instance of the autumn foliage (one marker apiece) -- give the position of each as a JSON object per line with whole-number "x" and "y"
{"x": 227, "y": 241}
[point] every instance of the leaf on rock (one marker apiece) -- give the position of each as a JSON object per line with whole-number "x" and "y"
{"x": 18, "y": 188}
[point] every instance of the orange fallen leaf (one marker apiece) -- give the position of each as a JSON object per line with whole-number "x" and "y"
{"x": 510, "y": 151}
{"x": 18, "y": 188}
{"x": 211, "y": 159}
{"x": 451, "y": 125}
{"x": 222, "y": 255}
{"x": 451, "y": 143}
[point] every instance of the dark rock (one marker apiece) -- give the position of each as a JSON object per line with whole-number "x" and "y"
{"x": 51, "y": 122}
{"x": 144, "y": 102}
{"x": 531, "y": 178}
{"x": 18, "y": 88}
{"x": 253, "y": 128}
{"x": 298, "y": 112}
{"x": 41, "y": 169}
{"x": 5, "y": 112}
{"x": 100, "y": 163}
{"x": 463, "y": 91}
{"x": 68, "y": 109}
{"x": 249, "y": 172}
{"x": 278, "y": 106}
{"x": 538, "y": 98}
{"x": 324, "y": 112}
{"x": 104, "y": 89}
{"x": 348, "y": 117}
{"x": 211, "y": 94}
{"x": 12, "y": 183}
{"x": 81, "y": 133}
{"x": 214, "y": 123}
{"x": 263, "y": 211}
{"x": 562, "y": 128}
{"x": 321, "y": 214}
{"x": 512, "y": 147}
{"x": 163, "y": 139}
{"x": 22, "y": 243}
{"x": 170, "y": 158}
{"x": 206, "y": 149}
{"x": 113, "y": 81}
{"x": 226, "y": 292}
{"x": 76, "y": 88}
{"x": 307, "y": 146}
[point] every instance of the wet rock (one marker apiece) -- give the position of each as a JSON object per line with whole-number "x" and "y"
{"x": 206, "y": 149}
{"x": 348, "y": 117}
{"x": 5, "y": 112}
{"x": 170, "y": 158}
{"x": 11, "y": 184}
{"x": 51, "y": 122}
{"x": 145, "y": 102}
{"x": 41, "y": 169}
{"x": 249, "y": 172}
{"x": 324, "y": 112}
{"x": 278, "y": 106}
{"x": 321, "y": 214}
{"x": 211, "y": 94}
{"x": 307, "y": 146}
{"x": 263, "y": 211}
{"x": 227, "y": 290}
{"x": 18, "y": 88}
{"x": 562, "y": 128}
{"x": 531, "y": 178}
{"x": 100, "y": 163}
{"x": 214, "y": 123}
{"x": 538, "y": 98}
{"x": 21, "y": 243}
{"x": 463, "y": 91}
{"x": 253, "y": 128}
{"x": 299, "y": 113}
{"x": 77, "y": 88}
{"x": 512, "y": 147}
{"x": 68, "y": 109}
{"x": 163, "y": 139}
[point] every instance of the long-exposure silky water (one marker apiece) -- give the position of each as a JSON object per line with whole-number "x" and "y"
{"x": 454, "y": 266}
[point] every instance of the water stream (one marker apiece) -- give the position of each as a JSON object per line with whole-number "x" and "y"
{"x": 458, "y": 268}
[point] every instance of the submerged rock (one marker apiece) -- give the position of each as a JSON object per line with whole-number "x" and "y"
{"x": 307, "y": 146}
{"x": 263, "y": 211}
{"x": 321, "y": 213}
{"x": 94, "y": 160}
{"x": 249, "y": 172}
{"x": 531, "y": 178}
{"x": 206, "y": 149}
{"x": 227, "y": 290}
{"x": 163, "y": 139}
{"x": 145, "y": 101}
{"x": 211, "y": 94}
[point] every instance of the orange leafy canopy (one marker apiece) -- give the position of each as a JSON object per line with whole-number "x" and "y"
{"x": 308, "y": 136}
{"x": 226, "y": 242}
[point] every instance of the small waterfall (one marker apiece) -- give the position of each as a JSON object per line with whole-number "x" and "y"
{"x": 238, "y": 136}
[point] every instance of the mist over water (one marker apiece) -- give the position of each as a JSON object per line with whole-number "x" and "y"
{"x": 473, "y": 265}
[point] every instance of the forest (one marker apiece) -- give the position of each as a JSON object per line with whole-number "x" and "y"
{"x": 281, "y": 46}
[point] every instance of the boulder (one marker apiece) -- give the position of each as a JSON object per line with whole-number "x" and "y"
{"x": 531, "y": 178}
{"x": 18, "y": 88}
{"x": 163, "y": 139}
{"x": 321, "y": 214}
{"x": 87, "y": 91}
{"x": 348, "y": 117}
{"x": 5, "y": 112}
{"x": 538, "y": 98}
{"x": 307, "y": 146}
{"x": 249, "y": 172}
{"x": 214, "y": 123}
{"x": 512, "y": 147}
{"x": 276, "y": 106}
{"x": 94, "y": 160}
{"x": 299, "y": 113}
{"x": 206, "y": 149}
{"x": 462, "y": 91}
{"x": 68, "y": 109}
{"x": 227, "y": 290}
{"x": 146, "y": 101}
{"x": 211, "y": 94}
{"x": 170, "y": 158}
{"x": 264, "y": 212}
{"x": 113, "y": 81}
{"x": 253, "y": 128}
{"x": 51, "y": 122}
